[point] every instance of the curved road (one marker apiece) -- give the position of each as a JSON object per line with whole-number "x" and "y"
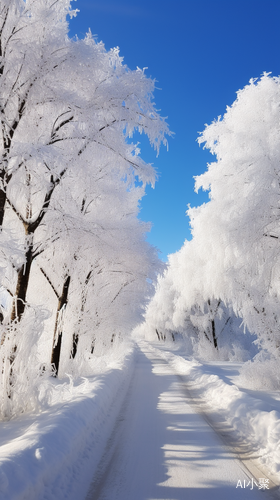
{"x": 161, "y": 448}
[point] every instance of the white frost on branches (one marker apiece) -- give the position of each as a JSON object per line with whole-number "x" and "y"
{"x": 234, "y": 256}
{"x": 75, "y": 266}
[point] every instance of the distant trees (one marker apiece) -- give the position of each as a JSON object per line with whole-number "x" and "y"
{"x": 68, "y": 200}
{"x": 181, "y": 308}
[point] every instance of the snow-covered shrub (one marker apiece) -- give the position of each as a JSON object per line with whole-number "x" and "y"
{"x": 22, "y": 371}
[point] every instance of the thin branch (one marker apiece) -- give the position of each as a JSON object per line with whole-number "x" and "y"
{"x": 17, "y": 212}
{"x": 56, "y": 128}
{"x": 1, "y": 33}
{"x": 54, "y": 182}
{"x": 50, "y": 282}
{"x": 122, "y": 287}
{"x": 39, "y": 251}
{"x": 14, "y": 32}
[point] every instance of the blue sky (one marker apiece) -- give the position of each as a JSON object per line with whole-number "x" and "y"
{"x": 200, "y": 52}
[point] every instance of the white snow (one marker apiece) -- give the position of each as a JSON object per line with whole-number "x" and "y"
{"x": 52, "y": 454}
{"x": 255, "y": 415}
{"x": 134, "y": 410}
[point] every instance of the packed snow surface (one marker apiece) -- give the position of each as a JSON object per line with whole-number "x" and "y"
{"x": 129, "y": 433}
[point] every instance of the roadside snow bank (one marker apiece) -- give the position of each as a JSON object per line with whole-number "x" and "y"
{"x": 53, "y": 455}
{"x": 245, "y": 413}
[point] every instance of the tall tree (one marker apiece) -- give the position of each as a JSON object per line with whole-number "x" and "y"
{"x": 241, "y": 221}
{"x": 68, "y": 111}
{"x": 66, "y": 117}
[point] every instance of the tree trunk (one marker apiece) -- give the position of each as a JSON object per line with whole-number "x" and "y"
{"x": 75, "y": 342}
{"x": 214, "y": 334}
{"x": 57, "y": 339}
{"x": 213, "y": 309}
{"x": 19, "y": 304}
{"x": 2, "y": 206}
{"x": 22, "y": 285}
{"x": 75, "y": 339}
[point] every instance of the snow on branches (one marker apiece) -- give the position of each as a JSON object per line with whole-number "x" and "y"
{"x": 244, "y": 208}
{"x": 234, "y": 256}
{"x": 70, "y": 238}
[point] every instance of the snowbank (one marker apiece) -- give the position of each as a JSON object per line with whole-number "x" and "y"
{"x": 245, "y": 414}
{"x": 53, "y": 455}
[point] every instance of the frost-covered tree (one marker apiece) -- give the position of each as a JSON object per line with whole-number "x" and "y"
{"x": 68, "y": 201}
{"x": 64, "y": 116}
{"x": 241, "y": 222}
{"x": 185, "y": 307}
{"x": 233, "y": 259}
{"x": 106, "y": 260}
{"x": 30, "y": 74}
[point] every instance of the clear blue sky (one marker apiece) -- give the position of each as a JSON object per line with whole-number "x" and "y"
{"x": 200, "y": 52}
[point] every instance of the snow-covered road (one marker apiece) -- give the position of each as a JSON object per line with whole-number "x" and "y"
{"x": 160, "y": 448}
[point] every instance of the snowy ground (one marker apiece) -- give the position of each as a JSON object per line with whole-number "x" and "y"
{"x": 52, "y": 455}
{"x": 138, "y": 431}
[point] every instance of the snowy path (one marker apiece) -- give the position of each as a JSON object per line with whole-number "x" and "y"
{"x": 161, "y": 449}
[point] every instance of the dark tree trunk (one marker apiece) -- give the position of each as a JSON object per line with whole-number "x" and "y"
{"x": 214, "y": 334}
{"x": 2, "y": 206}
{"x": 75, "y": 339}
{"x": 19, "y": 304}
{"x": 57, "y": 339}
{"x": 5, "y": 179}
{"x": 19, "y": 301}
{"x": 22, "y": 285}
{"x": 213, "y": 309}
{"x": 75, "y": 342}
{"x": 56, "y": 354}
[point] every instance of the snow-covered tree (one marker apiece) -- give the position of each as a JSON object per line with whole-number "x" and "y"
{"x": 240, "y": 224}
{"x": 233, "y": 258}
{"x": 105, "y": 258}
{"x": 187, "y": 306}
{"x": 68, "y": 201}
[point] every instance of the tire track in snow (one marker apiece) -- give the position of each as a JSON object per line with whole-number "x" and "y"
{"x": 164, "y": 446}
{"x": 247, "y": 457}
{"x": 226, "y": 433}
